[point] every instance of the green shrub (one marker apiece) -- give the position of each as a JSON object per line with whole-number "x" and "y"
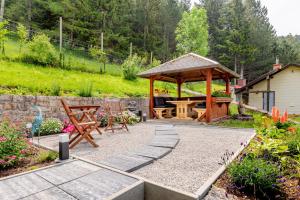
{"x": 219, "y": 93}
{"x": 294, "y": 147}
{"x": 55, "y": 89}
{"x": 13, "y": 146}
{"x": 41, "y": 51}
{"x": 51, "y": 126}
{"x": 254, "y": 175}
{"x": 46, "y": 156}
{"x": 131, "y": 67}
{"x": 86, "y": 90}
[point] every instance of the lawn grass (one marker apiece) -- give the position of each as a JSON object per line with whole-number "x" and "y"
{"x": 234, "y": 123}
{"x": 21, "y": 78}
{"x": 25, "y": 79}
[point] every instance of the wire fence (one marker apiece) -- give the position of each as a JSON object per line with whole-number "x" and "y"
{"x": 75, "y": 52}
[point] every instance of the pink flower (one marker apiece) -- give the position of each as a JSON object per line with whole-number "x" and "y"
{"x": 13, "y": 157}
{"x": 69, "y": 129}
{"x": 23, "y": 151}
{"x": 3, "y": 139}
{"x": 2, "y": 162}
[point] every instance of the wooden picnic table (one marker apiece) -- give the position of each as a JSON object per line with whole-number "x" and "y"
{"x": 184, "y": 108}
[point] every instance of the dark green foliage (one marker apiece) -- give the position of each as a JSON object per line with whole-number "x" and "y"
{"x": 148, "y": 24}
{"x": 294, "y": 147}
{"x": 256, "y": 175}
{"x": 219, "y": 93}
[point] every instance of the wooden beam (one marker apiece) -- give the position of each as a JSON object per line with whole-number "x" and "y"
{"x": 208, "y": 96}
{"x": 151, "y": 100}
{"x": 227, "y": 81}
{"x": 179, "y": 83}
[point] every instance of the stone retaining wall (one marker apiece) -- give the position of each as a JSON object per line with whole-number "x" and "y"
{"x": 20, "y": 108}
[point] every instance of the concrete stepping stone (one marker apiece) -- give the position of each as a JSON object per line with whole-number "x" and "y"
{"x": 166, "y": 132}
{"x": 50, "y": 194}
{"x": 164, "y": 127}
{"x": 126, "y": 163}
{"x": 153, "y": 152}
{"x": 169, "y": 143}
{"x": 163, "y": 137}
{"x": 66, "y": 172}
{"x": 22, "y": 186}
{"x": 98, "y": 185}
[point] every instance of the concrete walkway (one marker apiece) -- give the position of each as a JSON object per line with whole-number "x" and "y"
{"x": 72, "y": 180}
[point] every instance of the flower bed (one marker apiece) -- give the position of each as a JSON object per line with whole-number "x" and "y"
{"x": 269, "y": 168}
{"x": 17, "y": 154}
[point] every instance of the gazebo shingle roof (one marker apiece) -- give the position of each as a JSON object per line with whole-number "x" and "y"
{"x": 187, "y": 63}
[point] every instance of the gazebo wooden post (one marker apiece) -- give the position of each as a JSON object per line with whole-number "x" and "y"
{"x": 208, "y": 96}
{"x": 179, "y": 83}
{"x": 227, "y": 81}
{"x": 151, "y": 100}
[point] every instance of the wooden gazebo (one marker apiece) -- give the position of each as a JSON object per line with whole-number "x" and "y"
{"x": 191, "y": 68}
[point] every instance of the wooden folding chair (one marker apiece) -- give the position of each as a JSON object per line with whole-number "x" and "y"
{"x": 112, "y": 119}
{"x": 84, "y": 120}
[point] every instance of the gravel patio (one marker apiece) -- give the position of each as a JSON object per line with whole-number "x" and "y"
{"x": 195, "y": 158}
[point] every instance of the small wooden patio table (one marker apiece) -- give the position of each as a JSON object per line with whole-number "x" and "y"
{"x": 183, "y": 108}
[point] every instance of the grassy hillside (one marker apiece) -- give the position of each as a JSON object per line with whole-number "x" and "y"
{"x": 28, "y": 79}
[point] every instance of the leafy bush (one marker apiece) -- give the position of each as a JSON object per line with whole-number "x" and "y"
{"x": 51, "y": 126}
{"x": 46, "y": 156}
{"x": 41, "y": 51}
{"x": 86, "y": 90}
{"x": 254, "y": 175}
{"x": 220, "y": 93}
{"x": 294, "y": 147}
{"x": 131, "y": 67}
{"x": 13, "y": 146}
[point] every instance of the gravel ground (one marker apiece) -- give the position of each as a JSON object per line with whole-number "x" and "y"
{"x": 109, "y": 143}
{"x": 187, "y": 167}
{"x": 196, "y": 157}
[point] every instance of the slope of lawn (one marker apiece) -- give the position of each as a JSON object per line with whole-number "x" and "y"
{"x": 29, "y": 79}
{"x": 20, "y": 78}
{"x": 77, "y": 59}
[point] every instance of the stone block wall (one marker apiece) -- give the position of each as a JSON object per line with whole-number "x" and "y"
{"x": 20, "y": 108}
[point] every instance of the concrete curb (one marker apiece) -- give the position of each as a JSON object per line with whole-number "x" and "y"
{"x": 204, "y": 189}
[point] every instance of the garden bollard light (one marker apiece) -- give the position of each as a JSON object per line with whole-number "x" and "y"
{"x": 63, "y": 146}
{"x": 144, "y": 117}
{"x": 140, "y": 114}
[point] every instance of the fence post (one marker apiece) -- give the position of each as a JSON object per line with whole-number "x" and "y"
{"x": 101, "y": 41}
{"x": 2, "y": 10}
{"x": 130, "y": 50}
{"x": 60, "y": 41}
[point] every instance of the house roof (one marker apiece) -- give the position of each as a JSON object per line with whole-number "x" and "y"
{"x": 264, "y": 76}
{"x": 189, "y": 68}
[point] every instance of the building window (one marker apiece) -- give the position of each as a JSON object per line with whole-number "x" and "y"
{"x": 268, "y": 100}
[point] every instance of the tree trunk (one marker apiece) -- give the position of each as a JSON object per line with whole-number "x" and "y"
{"x": 2, "y": 10}
{"x": 29, "y": 17}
